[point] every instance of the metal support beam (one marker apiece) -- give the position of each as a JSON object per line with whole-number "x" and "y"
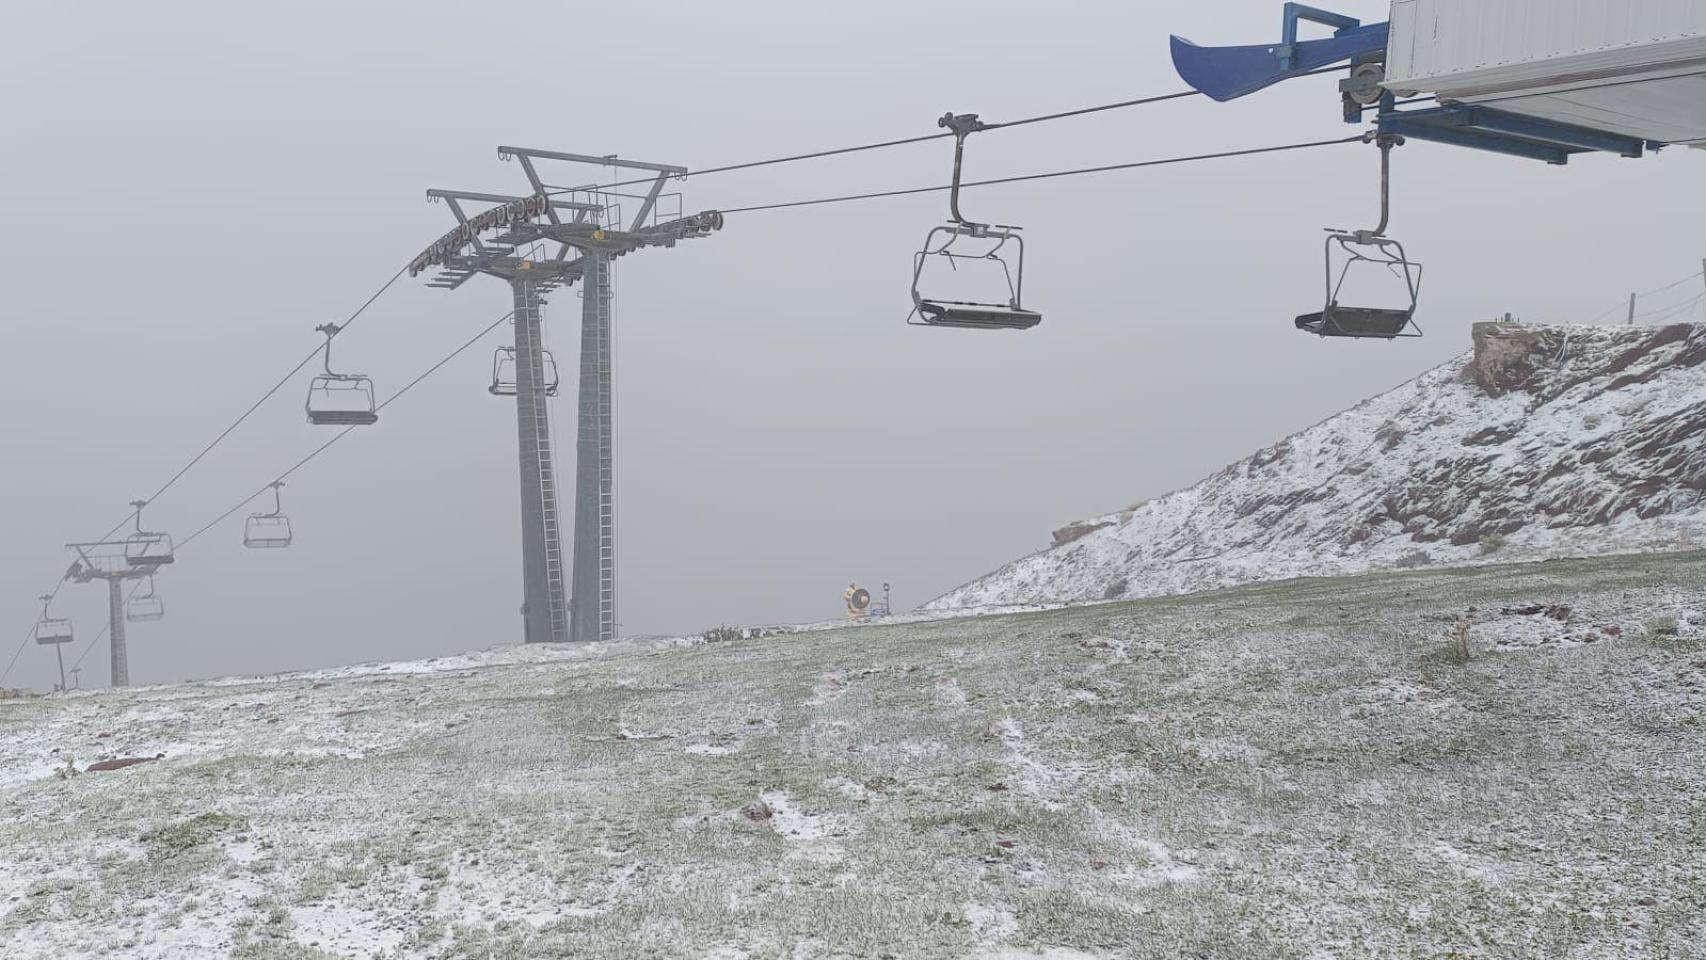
{"x": 609, "y": 161}
{"x": 115, "y": 632}
{"x": 1406, "y": 123}
{"x": 437, "y": 194}
{"x": 1292, "y": 13}
{"x": 545, "y": 605}
{"x": 1482, "y": 128}
{"x": 1545, "y": 131}
{"x": 594, "y": 609}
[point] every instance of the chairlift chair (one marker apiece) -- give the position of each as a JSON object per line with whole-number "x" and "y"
{"x": 145, "y": 607}
{"x": 268, "y": 530}
{"x": 54, "y": 632}
{"x": 147, "y": 549}
{"x": 968, "y": 314}
{"x": 51, "y": 630}
{"x": 1364, "y": 251}
{"x": 340, "y": 399}
{"x": 504, "y": 378}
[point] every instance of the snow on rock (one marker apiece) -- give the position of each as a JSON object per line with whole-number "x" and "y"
{"x": 1542, "y": 442}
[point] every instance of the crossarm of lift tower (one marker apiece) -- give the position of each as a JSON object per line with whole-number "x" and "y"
{"x": 569, "y": 220}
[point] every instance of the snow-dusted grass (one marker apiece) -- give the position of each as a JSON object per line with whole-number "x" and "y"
{"x": 1287, "y": 770}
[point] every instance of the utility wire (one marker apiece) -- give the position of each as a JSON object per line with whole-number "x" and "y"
{"x": 1660, "y": 314}
{"x": 904, "y": 141}
{"x": 1122, "y": 104}
{"x": 283, "y": 381}
{"x": 1624, "y": 304}
{"x": 345, "y": 431}
{"x": 1081, "y": 171}
{"x": 303, "y": 462}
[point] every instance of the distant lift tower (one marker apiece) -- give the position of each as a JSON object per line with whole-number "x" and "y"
{"x": 547, "y": 239}
{"x": 136, "y": 557}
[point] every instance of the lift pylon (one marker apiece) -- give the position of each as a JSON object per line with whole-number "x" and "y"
{"x": 114, "y": 562}
{"x": 539, "y": 242}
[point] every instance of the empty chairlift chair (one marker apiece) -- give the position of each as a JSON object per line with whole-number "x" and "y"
{"x": 145, "y": 606}
{"x": 263, "y": 531}
{"x": 1008, "y": 314}
{"x": 504, "y": 376}
{"x": 51, "y": 630}
{"x": 340, "y": 399}
{"x": 1362, "y": 255}
{"x": 147, "y": 549}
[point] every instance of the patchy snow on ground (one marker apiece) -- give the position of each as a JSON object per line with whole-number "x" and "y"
{"x": 1544, "y": 442}
{"x": 1297, "y": 770}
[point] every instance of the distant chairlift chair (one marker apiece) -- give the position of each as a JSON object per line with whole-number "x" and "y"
{"x": 268, "y": 530}
{"x": 967, "y": 314}
{"x": 51, "y": 630}
{"x": 1365, "y": 250}
{"x": 145, "y": 607}
{"x": 340, "y": 399}
{"x": 146, "y": 549}
{"x": 54, "y": 632}
{"x": 503, "y": 373}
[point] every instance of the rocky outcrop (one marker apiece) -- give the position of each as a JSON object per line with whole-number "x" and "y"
{"x": 1542, "y": 441}
{"x": 1076, "y": 531}
{"x": 1507, "y": 355}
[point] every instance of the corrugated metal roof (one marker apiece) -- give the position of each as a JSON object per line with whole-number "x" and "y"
{"x": 1636, "y": 67}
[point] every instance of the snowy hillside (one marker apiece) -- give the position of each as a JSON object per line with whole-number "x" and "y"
{"x": 1277, "y": 772}
{"x": 1542, "y": 442}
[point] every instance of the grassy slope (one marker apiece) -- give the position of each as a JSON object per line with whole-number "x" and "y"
{"x": 1288, "y": 770}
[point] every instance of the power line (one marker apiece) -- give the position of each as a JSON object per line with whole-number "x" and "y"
{"x": 276, "y": 387}
{"x": 283, "y": 381}
{"x": 345, "y": 431}
{"x": 1623, "y": 305}
{"x": 1660, "y": 314}
{"x": 1043, "y": 118}
{"x": 305, "y": 460}
{"x": 905, "y": 141}
{"x": 1081, "y": 171}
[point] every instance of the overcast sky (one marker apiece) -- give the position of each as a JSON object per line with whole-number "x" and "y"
{"x": 191, "y": 187}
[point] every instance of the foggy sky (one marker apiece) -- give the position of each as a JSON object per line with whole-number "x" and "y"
{"x": 192, "y": 187}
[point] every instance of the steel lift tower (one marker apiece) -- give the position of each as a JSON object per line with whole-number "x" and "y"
{"x": 537, "y": 243}
{"x": 136, "y": 557}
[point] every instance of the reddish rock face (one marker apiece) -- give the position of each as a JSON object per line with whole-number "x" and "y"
{"x": 120, "y": 763}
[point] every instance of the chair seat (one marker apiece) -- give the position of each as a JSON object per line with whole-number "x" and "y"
{"x": 343, "y": 418}
{"x": 976, "y": 316}
{"x": 1372, "y": 322}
